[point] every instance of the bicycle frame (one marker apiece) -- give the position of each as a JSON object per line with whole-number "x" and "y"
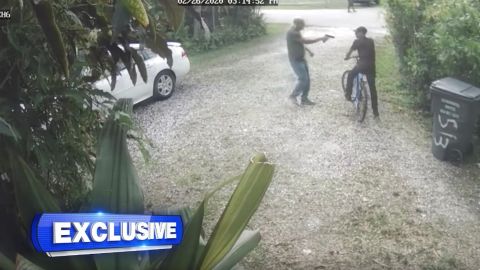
{"x": 361, "y": 95}
{"x": 358, "y": 89}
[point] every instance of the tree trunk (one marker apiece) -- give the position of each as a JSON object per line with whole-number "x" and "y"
{"x": 197, "y": 28}
{"x": 214, "y": 11}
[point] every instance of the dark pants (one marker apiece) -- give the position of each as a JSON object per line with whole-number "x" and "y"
{"x": 371, "y": 83}
{"x": 350, "y": 5}
{"x": 303, "y": 85}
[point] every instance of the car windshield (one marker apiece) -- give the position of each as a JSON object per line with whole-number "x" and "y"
{"x": 120, "y": 66}
{"x": 147, "y": 54}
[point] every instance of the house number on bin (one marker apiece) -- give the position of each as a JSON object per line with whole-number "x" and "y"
{"x": 449, "y": 113}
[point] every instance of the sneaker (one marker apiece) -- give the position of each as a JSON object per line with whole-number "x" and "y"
{"x": 308, "y": 102}
{"x": 294, "y": 100}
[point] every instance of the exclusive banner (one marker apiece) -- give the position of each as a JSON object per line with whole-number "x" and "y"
{"x": 95, "y": 233}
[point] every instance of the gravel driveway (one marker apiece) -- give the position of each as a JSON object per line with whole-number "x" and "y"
{"x": 344, "y": 195}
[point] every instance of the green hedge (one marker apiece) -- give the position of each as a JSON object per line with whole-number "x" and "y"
{"x": 434, "y": 39}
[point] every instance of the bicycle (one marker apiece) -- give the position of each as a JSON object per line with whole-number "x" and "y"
{"x": 360, "y": 92}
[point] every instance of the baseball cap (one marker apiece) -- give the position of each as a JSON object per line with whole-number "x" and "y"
{"x": 361, "y": 29}
{"x": 298, "y": 20}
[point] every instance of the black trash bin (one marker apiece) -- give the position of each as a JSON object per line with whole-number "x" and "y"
{"x": 455, "y": 108}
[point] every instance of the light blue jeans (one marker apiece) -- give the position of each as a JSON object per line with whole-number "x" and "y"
{"x": 303, "y": 84}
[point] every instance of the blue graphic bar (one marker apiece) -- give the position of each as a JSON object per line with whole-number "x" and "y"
{"x": 95, "y": 233}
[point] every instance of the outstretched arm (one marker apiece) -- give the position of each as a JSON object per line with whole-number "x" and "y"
{"x": 315, "y": 40}
{"x": 352, "y": 49}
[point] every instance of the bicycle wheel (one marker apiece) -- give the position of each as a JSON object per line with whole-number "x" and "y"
{"x": 344, "y": 81}
{"x": 363, "y": 102}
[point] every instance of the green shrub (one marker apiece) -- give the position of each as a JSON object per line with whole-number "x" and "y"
{"x": 435, "y": 39}
{"x": 456, "y": 39}
{"x": 404, "y": 19}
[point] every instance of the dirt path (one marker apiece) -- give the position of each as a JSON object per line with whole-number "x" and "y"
{"x": 344, "y": 196}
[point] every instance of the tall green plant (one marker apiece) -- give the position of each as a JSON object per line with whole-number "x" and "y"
{"x": 50, "y": 114}
{"x": 45, "y": 95}
{"x": 228, "y": 244}
{"x": 229, "y": 241}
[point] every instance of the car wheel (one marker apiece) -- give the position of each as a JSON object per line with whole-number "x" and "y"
{"x": 164, "y": 85}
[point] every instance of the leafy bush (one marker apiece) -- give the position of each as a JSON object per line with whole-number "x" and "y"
{"x": 435, "y": 39}
{"x": 235, "y": 25}
{"x": 52, "y": 117}
{"x": 456, "y": 38}
{"x": 404, "y": 19}
{"x": 50, "y": 114}
{"x": 45, "y": 97}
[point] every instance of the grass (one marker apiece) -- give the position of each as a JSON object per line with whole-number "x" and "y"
{"x": 389, "y": 79}
{"x": 200, "y": 59}
{"x": 391, "y": 86}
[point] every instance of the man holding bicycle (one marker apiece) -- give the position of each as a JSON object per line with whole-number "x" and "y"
{"x": 366, "y": 65}
{"x": 296, "y": 55}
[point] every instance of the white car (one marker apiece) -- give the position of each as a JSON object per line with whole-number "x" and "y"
{"x": 161, "y": 80}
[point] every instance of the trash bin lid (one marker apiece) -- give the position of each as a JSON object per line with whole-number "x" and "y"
{"x": 457, "y": 87}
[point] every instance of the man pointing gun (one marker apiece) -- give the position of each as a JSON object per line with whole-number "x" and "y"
{"x": 296, "y": 55}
